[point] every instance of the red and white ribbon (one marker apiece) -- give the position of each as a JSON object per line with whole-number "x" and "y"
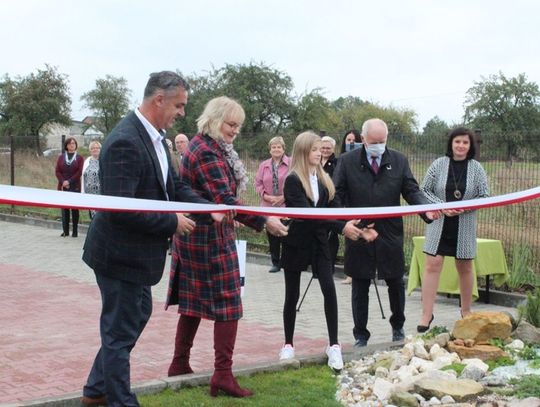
{"x": 25, "y": 196}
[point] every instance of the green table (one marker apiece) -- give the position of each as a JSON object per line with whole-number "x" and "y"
{"x": 490, "y": 263}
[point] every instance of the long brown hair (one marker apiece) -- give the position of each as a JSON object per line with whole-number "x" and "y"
{"x": 299, "y": 164}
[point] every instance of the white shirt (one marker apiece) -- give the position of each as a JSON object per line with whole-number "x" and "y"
{"x": 157, "y": 139}
{"x": 314, "y": 188}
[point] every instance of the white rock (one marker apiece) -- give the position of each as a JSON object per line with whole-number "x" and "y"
{"x": 381, "y": 372}
{"x": 478, "y": 363}
{"x": 420, "y": 351}
{"x": 382, "y": 388}
{"x": 447, "y": 400}
{"x": 421, "y": 364}
{"x": 442, "y": 361}
{"x": 516, "y": 344}
{"x": 434, "y": 401}
{"x": 436, "y": 351}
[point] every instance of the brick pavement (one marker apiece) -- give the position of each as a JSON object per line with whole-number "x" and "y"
{"x": 49, "y": 307}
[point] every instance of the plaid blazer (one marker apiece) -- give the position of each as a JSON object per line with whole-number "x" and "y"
{"x": 131, "y": 246}
{"x": 205, "y": 277}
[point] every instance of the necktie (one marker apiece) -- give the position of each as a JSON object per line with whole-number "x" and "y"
{"x": 374, "y": 165}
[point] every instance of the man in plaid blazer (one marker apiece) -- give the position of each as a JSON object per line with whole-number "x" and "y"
{"x": 127, "y": 250}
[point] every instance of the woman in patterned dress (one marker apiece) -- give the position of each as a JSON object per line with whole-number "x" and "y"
{"x": 454, "y": 177}
{"x": 205, "y": 276}
{"x": 90, "y": 174}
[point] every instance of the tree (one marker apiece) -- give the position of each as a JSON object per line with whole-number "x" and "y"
{"x": 263, "y": 92}
{"x": 315, "y": 112}
{"x": 108, "y": 101}
{"x": 506, "y": 109}
{"x": 434, "y": 135}
{"x": 29, "y": 103}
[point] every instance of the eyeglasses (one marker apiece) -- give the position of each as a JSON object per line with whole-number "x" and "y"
{"x": 234, "y": 126}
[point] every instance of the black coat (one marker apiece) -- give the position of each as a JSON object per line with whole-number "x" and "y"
{"x": 330, "y": 165}
{"x": 131, "y": 246}
{"x": 357, "y": 186}
{"x": 307, "y": 238}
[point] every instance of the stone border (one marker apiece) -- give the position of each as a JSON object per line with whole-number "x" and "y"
{"x": 203, "y": 379}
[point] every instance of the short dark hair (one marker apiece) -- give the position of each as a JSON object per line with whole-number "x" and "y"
{"x": 164, "y": 80}
{"x": 461, "y": 131}
{"x": 69, "y": 140}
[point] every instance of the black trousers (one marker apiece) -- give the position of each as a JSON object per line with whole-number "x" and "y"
{"x": 65, "y": 220}
{"x": 126, "y": 308}
{"x": 333, "y": 244}
{"x": 292, "y": 294}
{"x": 360, "y": 305}
{"x": 274, "y": 242}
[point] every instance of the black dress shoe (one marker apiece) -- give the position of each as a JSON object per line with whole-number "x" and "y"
{"x": 64, "y": 234}
{"x": 273, "y": 269}
{"x": 74, "y": 234}
{"x": 360, "y": 343}
{"x": 398, "y": 335}
{"x": 423, "y": 328}
{"x": 94, "y": 401}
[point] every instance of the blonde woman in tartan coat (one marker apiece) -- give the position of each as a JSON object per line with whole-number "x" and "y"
{"x": 205, "y": 277}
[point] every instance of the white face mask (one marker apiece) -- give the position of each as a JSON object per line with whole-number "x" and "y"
{"x": 375, "y": 150}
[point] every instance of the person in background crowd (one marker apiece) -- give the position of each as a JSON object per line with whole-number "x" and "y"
{"x": 308, "y": 186}
{"x": 127, "y": 250}
{"x": 329, "y": 161}
{"x": 90, "y": 173}
{"x": 373, "y": 176}
{"x": 351, "y": 140}
{"x": 69, "y": 166}
{"x": 269, "y": 186}
{"x": 181, "y": 142}
{"x": 205, "y": 275}
{"x": 174, "y": 161}
{"x": 456, "y": 176}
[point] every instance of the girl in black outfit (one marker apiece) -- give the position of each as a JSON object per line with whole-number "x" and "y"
{"x": 307, "y": 185}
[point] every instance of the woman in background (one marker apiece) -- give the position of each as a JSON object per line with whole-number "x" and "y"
{"x": 90, "y": 173}
{"x": 68, "y": 171}
{"x": 456, "y": 176}
{"x": 269, "y": 186}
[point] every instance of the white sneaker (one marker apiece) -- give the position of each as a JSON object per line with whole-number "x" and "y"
{"x": 335, "y": 360}
{"x": 287, "y": 352}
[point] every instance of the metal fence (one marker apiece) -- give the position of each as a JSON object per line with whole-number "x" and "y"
{"x": 517, "y": 226}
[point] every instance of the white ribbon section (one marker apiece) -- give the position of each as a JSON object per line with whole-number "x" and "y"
{"x": 58, "y": 199}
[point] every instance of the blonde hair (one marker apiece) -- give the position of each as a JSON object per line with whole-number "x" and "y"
{"x": 276, "y": 140}
{"x": 329, "y": 140}
{"x": 216, "y": 112}
{"x": 94, "y": 143}
{"x": 300, "y": 166}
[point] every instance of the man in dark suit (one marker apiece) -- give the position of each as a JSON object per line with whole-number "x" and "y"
{"x": 374, "y": 176}
{"x": 127, "y": 250}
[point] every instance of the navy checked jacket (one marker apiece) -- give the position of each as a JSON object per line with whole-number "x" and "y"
{"x": 131, "y": 246}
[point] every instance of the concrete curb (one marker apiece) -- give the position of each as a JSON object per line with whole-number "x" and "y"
{"x": 203, "y": 379}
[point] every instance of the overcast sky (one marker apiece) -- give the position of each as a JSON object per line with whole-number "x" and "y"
{"x": 422, "y": 55}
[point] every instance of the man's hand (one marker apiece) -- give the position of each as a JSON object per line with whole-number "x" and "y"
{"x": 185, "y": 225}
{"x": 369, "y": 234}
{"x": 275, "y": 227}
{"x": 433, "y": 215}
{"x": 353, "y": 232}
{"x": 65, "y": 185}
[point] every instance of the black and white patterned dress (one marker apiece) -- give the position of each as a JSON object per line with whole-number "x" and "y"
{"x": 435, "y": 187}
{"x": 91, "y": 178}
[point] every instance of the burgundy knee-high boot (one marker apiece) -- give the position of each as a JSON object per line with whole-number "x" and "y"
{"x": 185, "y": 333}
{"x": 223, "y": 379}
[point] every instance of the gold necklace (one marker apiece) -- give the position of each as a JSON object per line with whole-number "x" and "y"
{"x": 457, "y": 192}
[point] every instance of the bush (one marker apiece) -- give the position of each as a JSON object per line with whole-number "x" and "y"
{"x": 530, "y": 311}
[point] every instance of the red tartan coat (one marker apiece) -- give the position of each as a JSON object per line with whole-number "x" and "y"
{"x": 205, "y": 276}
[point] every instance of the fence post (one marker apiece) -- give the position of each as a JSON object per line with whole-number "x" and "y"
{"x": 12, "y": 163}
